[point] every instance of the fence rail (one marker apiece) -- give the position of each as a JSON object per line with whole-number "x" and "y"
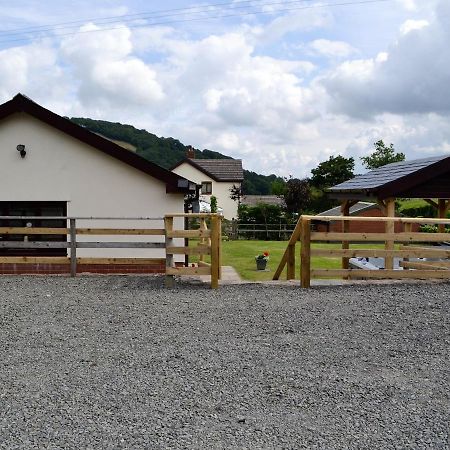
{"x": 410, "y": 245}
{"x": 280, "y": 230}
{"x": 210, "y": 243}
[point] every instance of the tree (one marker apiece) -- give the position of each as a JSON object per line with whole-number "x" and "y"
{"x": 297, "y": 196}
{"x": 213, "y": 203}
{"x": 334, "y": 171}
{"x": 236, "y": 193}
{"x": 278, "y": 187}
{"x": 381, "y": 156}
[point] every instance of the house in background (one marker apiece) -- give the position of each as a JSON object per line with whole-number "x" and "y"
{"x": 216, "y": 176}
{"x": 253, "y": 200}
{"x": 50, "y": 166}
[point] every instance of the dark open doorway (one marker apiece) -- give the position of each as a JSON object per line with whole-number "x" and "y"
{"x": 31, "y": 209}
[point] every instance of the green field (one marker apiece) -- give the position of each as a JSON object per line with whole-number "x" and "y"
{"x": 241, "y": 254}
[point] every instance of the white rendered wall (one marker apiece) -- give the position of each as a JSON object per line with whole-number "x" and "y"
{"x": 58, "y": 167}
{"x": 221, "y": 189}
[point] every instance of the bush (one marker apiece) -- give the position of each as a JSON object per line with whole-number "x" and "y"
{"x": 418, "y": 211}
{"x": 262, "y": 216}
{"x": 432, "y": 229}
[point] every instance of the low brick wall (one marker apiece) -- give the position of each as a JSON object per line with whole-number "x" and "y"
{"x": 64, "y": 269}
{"x": 363, "y": 227}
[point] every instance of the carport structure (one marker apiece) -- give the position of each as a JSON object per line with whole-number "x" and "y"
{"x": 427, "y": 178}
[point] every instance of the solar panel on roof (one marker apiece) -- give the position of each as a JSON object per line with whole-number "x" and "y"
{"x": 386, "y": 174}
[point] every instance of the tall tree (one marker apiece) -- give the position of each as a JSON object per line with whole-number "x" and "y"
{"x": 236, "y": 193}
{"x": 335, "y": 170}
{"x": 381, "y": 156}
{"x": 297, "y": 195}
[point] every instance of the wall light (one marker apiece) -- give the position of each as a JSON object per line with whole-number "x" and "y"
{"x": 21, "y": 150}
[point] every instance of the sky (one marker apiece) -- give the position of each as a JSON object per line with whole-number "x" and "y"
{"x": 281, "y": 84}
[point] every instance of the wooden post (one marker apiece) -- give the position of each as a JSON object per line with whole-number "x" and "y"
{"x": 292, "y": 241}
{"x": 202, "y": 239}
{"x": 390, "y": 229}
{"x": 407, "y": 228}
{"x": 73, "y": 248}
{"x": 442, "y": 213}
{"x": 345, "y": 211}
{"x": 234, "y": 229}
{"x": 290, "y": 275}
{"x": 305, "y": 254}
{"x": 186, "y": 241}
{"x": 219, "y": 224}
{"x": 168, "y": 223}
{"x": 215, "y": 252}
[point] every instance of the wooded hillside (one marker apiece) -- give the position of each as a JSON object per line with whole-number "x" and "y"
{"x": 168, "y": 151}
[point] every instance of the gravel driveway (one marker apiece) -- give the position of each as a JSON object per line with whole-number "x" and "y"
{"x": 121, "y": 362}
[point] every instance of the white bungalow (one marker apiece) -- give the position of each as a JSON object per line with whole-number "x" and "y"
{"x": 50, "y": 166}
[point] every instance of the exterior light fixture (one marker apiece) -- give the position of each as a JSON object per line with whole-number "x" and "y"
{"x": 21, "y": 150}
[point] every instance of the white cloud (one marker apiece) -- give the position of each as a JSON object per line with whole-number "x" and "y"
{"x": 242, "y": 89}
{"x": 411, "y": 25}
{"x": 331, "y": 49}
{"x": 31, "y": 68}
{"x": 107, "y": 70}
{"x": 409, "y": 5}
{"x": 413, "y": 79}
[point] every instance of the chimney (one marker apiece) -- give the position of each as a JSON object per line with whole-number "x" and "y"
{"x": 190, "y": 152}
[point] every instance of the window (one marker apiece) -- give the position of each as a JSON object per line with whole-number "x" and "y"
{"x": 206, "y": 187}
{"x": 33, "y": 209}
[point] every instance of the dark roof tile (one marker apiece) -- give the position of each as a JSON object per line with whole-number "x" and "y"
{"x": 395, "y": 172}
{"x": 218, "y": 169}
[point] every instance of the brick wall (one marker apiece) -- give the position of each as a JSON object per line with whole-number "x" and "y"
{"x": 363, "y": 227}
{"x": 64, "y": 269}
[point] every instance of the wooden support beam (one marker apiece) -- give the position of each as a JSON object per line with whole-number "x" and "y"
{"x": 295, "y": 236}
{"x": 73, "y": 248}
{"x": 34, "y": 260}
{"x": 169, "y": 280}
{"x": 407, "y": 228}
{"x": 382, "y": 206}
{"x": 199, "y": 250}
{"x": 432, "y": 203}
{"x": 189, "y": 233}
{"x": 203, "y": 240}
{"x": 120, "y": 244}
{"x": 380, "y": 237}
{"x": 390, "y": 229}
{"x": 380, "y": 274}
{"x": 33, "y": 244}
{"x": 345, "y": 211}
{"x": 120, "y": 231}
{"x": 434, "y": 265}
{"x": 290, "y": 262}
{"x": 203, "y": 264}
{"x": 305, "y": 254}
{"x": 443, "y": 205}
{"x": 119, "y": 261}
{"x": 37, "y": 230}
{"x": 171, "y": 271}
{"x": 403, "y": 252}
{"x": 419, "y": 220}
{"x": 215, "y": 252}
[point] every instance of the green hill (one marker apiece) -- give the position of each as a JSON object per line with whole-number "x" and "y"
{"x": 166, "y": 152}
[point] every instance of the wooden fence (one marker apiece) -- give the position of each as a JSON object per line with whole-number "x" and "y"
{"x": 167, "y": 233}
{"x": 264, "y": 231}
{"x": 209, "y": 243}
{"x": 404, "y": 245}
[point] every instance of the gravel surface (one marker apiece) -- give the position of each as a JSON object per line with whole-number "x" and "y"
{"x": 121, "y": 362}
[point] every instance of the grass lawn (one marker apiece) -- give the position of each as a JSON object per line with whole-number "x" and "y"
{"x": 241, "y": 254}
